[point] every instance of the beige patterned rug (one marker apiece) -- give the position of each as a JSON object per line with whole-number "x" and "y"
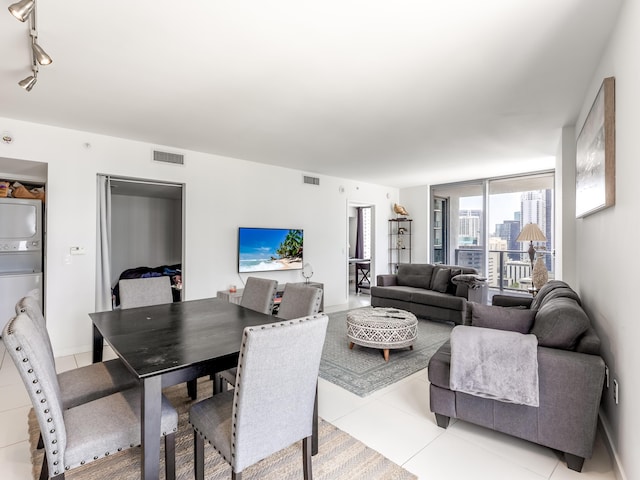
{"x": 340, "y": 456}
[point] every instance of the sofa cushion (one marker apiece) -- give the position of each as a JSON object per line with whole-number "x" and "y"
{"x": 544, "y": 290}
{"x": 437, "y": 299}
{"x": 560, "y": 324}
{"x": 502, "y": 318}
{"x": 396, "y": 293}
{"x": 415, "y": 275}
{"x": 560, "y": 292}
{"x": 441, "y": 279}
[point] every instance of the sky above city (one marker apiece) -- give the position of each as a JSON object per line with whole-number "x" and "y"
{"x": 501, "y": 207}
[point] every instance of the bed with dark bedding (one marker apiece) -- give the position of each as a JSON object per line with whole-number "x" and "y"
{"x": 174, "y": 272}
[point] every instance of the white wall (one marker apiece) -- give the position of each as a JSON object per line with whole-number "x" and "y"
{"x": 221, "y": 195}
{"x": 565, "y": 211}
{"x": 606, "y": 246}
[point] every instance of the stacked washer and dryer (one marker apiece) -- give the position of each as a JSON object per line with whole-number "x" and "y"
{"x": 21, "y": 254}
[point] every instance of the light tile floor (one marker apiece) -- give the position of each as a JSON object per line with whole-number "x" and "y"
{"x": 394, "y": 421}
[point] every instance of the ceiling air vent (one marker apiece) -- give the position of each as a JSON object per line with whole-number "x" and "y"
{"x": 166, "y": 157}
{"x": 311, "y": 180}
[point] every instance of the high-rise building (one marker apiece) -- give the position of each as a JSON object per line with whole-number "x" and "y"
{"x": 496, "y": 244}
{"x": 533, "y": 206}
{"x": 508, "y": 230}
{"x": 470, "y": 227}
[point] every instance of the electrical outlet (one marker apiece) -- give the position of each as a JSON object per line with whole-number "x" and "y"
{"x": 606, "y": 376}
{"x": 616, "y": 397}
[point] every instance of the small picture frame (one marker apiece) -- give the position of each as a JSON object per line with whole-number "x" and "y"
{"x": 596, "y": 154}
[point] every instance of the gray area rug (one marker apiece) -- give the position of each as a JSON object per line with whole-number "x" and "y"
{"x": 363, "y": 370}
{"x": 340, "y": 456}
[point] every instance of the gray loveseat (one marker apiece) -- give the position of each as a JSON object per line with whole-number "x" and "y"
{"x": 436, "y": 292}
{"x": 570, "y": 373}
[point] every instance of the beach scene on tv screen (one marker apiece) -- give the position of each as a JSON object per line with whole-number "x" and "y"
{"x": 264, "y": 249}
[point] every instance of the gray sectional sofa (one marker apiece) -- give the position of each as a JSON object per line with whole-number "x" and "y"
{"x": 569, "y": 368}
{"x": 435, "y": 292}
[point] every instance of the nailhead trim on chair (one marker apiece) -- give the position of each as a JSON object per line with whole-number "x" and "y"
{"x": 106, "y": 454}
{"x": 38, "y": 391}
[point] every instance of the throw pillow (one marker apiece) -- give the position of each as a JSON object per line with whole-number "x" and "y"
{"x": 415, "y": 275}
{"x": 502, "y": 318}
{"x": 441, "y": 279}
{"x": 560, "y": 324}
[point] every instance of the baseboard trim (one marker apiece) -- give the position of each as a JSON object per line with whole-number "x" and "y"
{"x": 605, "y": 429}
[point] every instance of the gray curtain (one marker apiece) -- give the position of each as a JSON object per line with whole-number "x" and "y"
{"x": 103, "y": 245}
{"x": 360, "y": 234}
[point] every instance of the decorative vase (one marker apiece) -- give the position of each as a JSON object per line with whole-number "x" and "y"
{"x": 540, "y": 274}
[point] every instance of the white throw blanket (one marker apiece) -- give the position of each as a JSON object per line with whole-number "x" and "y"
{"x": 495, "y": 364}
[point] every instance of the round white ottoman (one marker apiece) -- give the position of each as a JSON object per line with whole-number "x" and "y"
{"x": 382, "y": 327}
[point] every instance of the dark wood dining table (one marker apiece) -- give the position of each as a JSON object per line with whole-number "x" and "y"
{"x": 167, "y": 344}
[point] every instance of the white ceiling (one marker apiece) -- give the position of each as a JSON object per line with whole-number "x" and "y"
{"x": 396, "y": 92}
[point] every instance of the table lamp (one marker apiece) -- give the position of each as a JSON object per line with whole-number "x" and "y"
{"x": 531, "y": 233}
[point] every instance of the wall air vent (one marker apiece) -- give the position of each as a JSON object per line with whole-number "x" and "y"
{"x": 311, "y": 180}
{"x": 166, "y": 157}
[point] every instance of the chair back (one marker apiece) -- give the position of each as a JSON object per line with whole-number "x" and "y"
{"x": 259, "y": 294}
{"x": 31, "y": 306}
{"x": 276, "y": 387}
{"x": 299, "y": 301}
{"x": 27, "y": 347}
{"x": 144, "y": 292}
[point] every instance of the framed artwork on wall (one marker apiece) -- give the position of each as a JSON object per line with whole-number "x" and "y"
{"x": 596, "y": 154}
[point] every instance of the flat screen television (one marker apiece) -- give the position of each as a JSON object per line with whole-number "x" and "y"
{"x": 268, "y": 249}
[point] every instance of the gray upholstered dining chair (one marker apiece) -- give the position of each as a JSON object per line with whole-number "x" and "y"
{"x": 259, "y": 294}
{"x": 84, "y": 384}
{"x": 297, "y": 301}
{"x": 272, "y": 404}
{"x": 87, "y": 432}
{"x": 143, "y": 292}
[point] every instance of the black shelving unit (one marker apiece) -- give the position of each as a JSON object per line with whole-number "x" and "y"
{"x": 399, "y": 242}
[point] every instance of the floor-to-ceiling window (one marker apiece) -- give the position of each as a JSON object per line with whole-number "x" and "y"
{"x": 461, "y": 224}
{"x": 515, "y": 202}
{"x": 484, "y": 219}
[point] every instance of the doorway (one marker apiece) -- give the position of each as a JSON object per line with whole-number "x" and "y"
{"x": 140, "y": 234}
{"x": 361, "y": 248}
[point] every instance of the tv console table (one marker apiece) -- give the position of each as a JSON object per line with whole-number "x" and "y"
{"x": 235, "y": 297}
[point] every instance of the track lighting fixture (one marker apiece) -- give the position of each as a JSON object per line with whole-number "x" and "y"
{"x": 23, "y": 10}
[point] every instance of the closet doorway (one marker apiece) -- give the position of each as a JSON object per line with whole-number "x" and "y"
{"x": 140, "y": 234}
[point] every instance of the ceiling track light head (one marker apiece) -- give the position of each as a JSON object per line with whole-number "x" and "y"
{"x": 29, "y": 82}
{"x": 41, "y": 56}
{"x": 22, "y": 9}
